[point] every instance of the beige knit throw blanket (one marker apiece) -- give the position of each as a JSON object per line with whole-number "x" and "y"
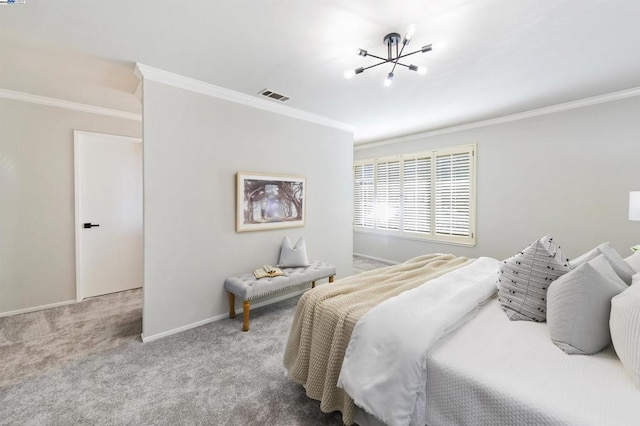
{"x": 325, "y": 318}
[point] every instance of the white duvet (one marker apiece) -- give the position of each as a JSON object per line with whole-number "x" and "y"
{"x": 384, "y": 368}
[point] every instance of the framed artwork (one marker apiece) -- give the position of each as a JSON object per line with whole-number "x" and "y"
{"x": 269, "y": 201}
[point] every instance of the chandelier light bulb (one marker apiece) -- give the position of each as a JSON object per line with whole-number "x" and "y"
{"x": 387, "y": 81}
{"x": 409, "y": 35}
{"x": 439, "y": 45}
{"x": 362, "y": 52}
{"x": 422, "y": 70}
{"x": 349, "y": 74}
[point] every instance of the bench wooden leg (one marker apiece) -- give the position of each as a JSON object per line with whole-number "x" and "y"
{"x": 331, "y": 278}
{"x": 246, "y": 306}
{"x": 313, "y": 284}
{"x": 232, "y": 305}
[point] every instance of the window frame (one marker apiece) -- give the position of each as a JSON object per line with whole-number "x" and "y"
{"x": 431, "y": 236}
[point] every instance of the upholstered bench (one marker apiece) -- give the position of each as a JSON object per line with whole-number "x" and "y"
{"x": 247, "y": 287}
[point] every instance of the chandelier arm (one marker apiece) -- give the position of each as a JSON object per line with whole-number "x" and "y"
{"x": 384, "y": 61}
{"x": 374, "y": 65}
{"x": 407, "y": 54}
{"x": 379, "y": 57}
{"x": 389, "y": 60}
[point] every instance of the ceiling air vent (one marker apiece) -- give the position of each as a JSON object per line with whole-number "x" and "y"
{"x": 273, "y": 95}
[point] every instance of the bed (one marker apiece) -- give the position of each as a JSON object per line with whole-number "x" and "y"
{"x": 493, "y": 371}
{"x": 479, "y": 367}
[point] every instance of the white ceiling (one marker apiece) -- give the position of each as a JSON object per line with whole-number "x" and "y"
{"x": 498, "y": 57}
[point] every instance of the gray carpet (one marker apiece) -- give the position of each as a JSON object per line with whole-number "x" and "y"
{"x": 35, "y": 342}
{"x": 66, "y": 367}
{"x": 361, "y": 264}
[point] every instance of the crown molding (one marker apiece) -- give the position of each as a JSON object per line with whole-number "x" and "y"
{"x": 61, "y": 103}
{"x": 138, "y": 91}
{"x": 580, "y": 103}
{"x": 146, "y": 72}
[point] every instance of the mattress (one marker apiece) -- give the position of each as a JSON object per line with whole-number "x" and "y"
{"x": 493, "y": 371}
{"x": 501, "y": 372}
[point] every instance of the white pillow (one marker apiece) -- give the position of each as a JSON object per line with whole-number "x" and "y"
{"x": 291, "y": 257}
{"x": 618, "y": 264}
{"x": 524, "y": 278}
{"x": 579, "y": 304}
{"x": 625, "y": 330}
{"x": 634, "y": 261}
{"x": 586, "y": 257}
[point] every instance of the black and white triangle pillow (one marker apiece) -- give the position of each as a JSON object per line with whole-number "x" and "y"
{"x": 524, "y": 278}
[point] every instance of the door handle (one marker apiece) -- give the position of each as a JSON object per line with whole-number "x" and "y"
{"x": 89, "y": 225}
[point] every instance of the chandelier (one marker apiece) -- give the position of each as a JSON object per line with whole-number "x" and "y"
{"x": 393, "y": 41}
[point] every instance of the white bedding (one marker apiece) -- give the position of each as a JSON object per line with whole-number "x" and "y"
{"x": 493, "y": 371}
{"x": 384, "y": 368}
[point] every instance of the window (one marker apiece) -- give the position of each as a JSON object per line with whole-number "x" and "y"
{"x": 363, "y": 196}
{"x": 428, "y": 195}
{"x": 387, "y": 189}
{"x": 416, "y": 203}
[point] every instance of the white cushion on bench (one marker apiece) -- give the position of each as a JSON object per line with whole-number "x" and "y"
{"x": 248, "y": 287}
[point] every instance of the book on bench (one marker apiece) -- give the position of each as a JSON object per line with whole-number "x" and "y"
{"x": 267, "y": 271}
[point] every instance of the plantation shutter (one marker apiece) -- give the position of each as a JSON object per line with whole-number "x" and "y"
{"x": 416, "y": 202}
{"x": 427, "y": 195}
{"x": 388, "y": 195}
{"x": 363, "y": 209}
{"x": 453, "y": 194}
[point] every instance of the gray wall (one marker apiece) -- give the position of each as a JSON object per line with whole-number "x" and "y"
{"x": 37, "y": 246}
{"x": 567, "y": 173}
{"x": 193, "y": 147}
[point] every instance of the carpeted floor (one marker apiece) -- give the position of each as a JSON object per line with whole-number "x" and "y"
{"x": 84, "y": 364}
{"x": 38, "y": 341}
{"x": 361, "y": 264}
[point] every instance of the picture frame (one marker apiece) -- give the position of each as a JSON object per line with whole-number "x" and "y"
{"x": 265, "y": 201}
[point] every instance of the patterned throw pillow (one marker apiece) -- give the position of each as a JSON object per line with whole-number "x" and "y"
{"x": 524, "y": 278}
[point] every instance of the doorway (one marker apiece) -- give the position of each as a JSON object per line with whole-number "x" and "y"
{"x": 108, "y": 213}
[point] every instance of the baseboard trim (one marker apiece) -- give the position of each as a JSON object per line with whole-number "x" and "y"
{"x": 214, "y": 318}
{"x": 147, "y": 339}
{"x": 36, "y": 308}
{"x": 379, "y": 259}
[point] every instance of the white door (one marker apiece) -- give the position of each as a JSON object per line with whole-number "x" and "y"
{"x": 108, "y": 190}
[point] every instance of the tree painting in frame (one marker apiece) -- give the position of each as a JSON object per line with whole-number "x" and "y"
{"x": 269, "y": 201}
